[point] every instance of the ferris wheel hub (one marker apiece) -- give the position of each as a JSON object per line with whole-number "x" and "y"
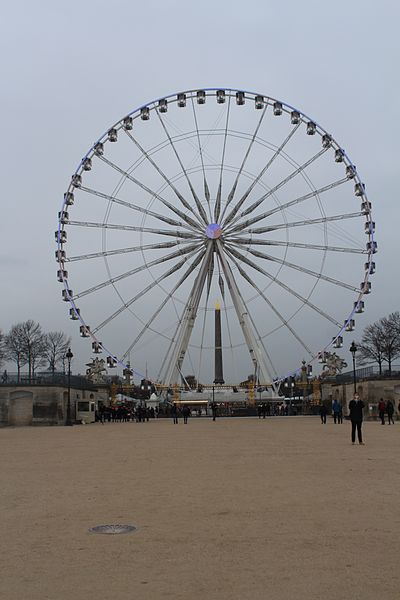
{"x": 213, "y": 231}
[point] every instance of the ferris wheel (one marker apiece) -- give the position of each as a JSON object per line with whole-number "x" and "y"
{"x": 215, "y": 196}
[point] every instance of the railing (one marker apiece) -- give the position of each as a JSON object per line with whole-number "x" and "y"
{"x": 76, "y": 381}
{"x": 368, "y": 372}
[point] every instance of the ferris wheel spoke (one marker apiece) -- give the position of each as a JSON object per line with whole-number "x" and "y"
{"x": 118, "y": 251}
{"x": 205, "y": 184}
{"x": 168, "y": 297}
{"x": 184, "y": 202}
{"x": 143, "y": 267}
{"x": 301, "y": 223}
{"x": 281, "y": 207}
{"x": 144, "y": 291}
{"x": 250, "y": 242}
{"x": 217, "y": 207}
{"x": 202, "y": 212}
{"x": 303, "y": 270}
{"x": 257, "y": 179}
{"x": 234, "y": 186}
{"x": 250, "y": 263}
{"x": 135, "y": 207}
{"x": 284, "y": 321}
{"x": 170, "y": 232}
{"x": 154, "y": 194}
{"x": 284, "y": 181}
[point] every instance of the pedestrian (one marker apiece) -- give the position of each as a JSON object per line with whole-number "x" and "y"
{"x": 214, "y": 410}
{"x": 259, "y": 410}
{"x": 263, "y": 410}
{"x": 174, "y": 413}
{"x": 390, "y": 411}
{"x": 323, "y": 411}
{"x": 382, "y": 410}
{"x": 185, "y": 413}
{"x": 356, "y": 407}
{"x": 337, "y": 410}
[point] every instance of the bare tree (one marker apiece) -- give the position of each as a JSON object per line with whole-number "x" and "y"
{"x": 371, "y": 348}
{"x": 14, "y": 345}
{"x": 57, "y": 344}
{"x": 391, "y": 339}
{"x": 34, "y": 345}
{"x": 2, "y": 347}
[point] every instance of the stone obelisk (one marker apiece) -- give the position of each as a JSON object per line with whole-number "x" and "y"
{"x": 219, "y": 377}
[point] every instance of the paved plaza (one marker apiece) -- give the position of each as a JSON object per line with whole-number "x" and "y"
{"x": 238, "y": 509}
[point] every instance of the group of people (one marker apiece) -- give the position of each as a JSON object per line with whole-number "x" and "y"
{"x": 125, "y": 414}
{"x": 386, "y": 408}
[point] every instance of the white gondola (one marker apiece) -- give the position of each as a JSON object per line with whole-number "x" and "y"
{"x": 60, "y": 255}
{"x": 365, "y": 287}
{"x": 112, "y": 135}
{"x": 66, "y": 295}
{"x": 326, "y": 140}
{"x": 145, "y": 113}
{"x": 61, "y": 275}
{"x": 322, "y": 357}
{"x": 372, "y": 247}
{"x": 99, "y": 149}
{"x": 369, "y": 227}
{"x": 337, "y": 342}
{"x": 69, "y": 198}
{"x": 359, "y": 307}
{"x": 201, "y": 97}
{"x": 240, "y": 99}
{"x": 311, "y": 128}
{"x": 87, "y": 164}
{"x": 74, "y": 314}
{"x": 350, "y": 171}
{"x": 181, "y": 100}
{"x": 259, "y": 102}
{"x": 76, "y": 180}
{"x": 220, "y": 96}
{"x": 61, "y": 236}
{"x": 339, "y": 155}
{"x": 63, "y": 216}
{"x": 277, "y": 109}
{"x": 295, "y": 117}
{"x": 127, "y": 123}
{"x": 370, "y": 267}
{"x": 111, "y": 362}
{"x": 84, "y": 331}
{"x": 350, "y": 325}
{"x": 366, "y": 207}
{"x": 163, "y": 105}
{"x": 359, "y": 189}
{"x": 97, "y": 347}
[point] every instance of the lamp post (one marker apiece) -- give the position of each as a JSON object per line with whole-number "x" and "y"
{"x": 69, "y": 356}
{"x": 353, "y": 350}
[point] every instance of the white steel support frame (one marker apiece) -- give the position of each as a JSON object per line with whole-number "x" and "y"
{"x": 185, "y": 328}
{"x": 256, "y": 354}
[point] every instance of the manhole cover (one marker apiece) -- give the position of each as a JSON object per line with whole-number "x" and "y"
{"x": 113, "y": 529}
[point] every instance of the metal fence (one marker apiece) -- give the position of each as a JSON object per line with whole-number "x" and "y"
{"x": 61, "y": 379}
{"x": 368, "y": 372}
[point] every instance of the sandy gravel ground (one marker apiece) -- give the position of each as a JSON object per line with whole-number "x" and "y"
{"x": 246, "y": 509}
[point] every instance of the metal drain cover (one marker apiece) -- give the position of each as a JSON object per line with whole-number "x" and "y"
{"x": 113, "y": 529}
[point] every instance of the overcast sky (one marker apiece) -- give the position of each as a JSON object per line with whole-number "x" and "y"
{"x": 71, "y": 69}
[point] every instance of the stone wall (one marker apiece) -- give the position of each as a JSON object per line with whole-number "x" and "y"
{"x": 22, "y": 405}
{"x": 369, "y": 390}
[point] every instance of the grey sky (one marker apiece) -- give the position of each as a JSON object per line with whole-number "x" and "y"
{"x": 71, "y": 69}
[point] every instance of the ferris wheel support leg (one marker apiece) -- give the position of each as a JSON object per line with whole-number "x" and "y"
{"x": 173, "y": 370}
{"x": 256, "y": 354}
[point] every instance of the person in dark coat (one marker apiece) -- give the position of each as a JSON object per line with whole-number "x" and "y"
{"x": 174, "y": 413}
{"x": 356, "y": 407}
{"x": 381, "y": 410}
{"x": 323, "y": 411}
{"x": 390, "y": 411}
{"x": 185, "y": 413}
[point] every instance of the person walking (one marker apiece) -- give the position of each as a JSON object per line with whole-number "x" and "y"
{"x": 174, "y": 412}
{"x": 214, "y": 410}
{"x": 323, "y": 411}
{"x": 185, "y": 413}
{"x": 337, "y": 410}
{"x": 382, "y": 410}
{"x": 356, "y": 407}
{"x": 390, "y": 411}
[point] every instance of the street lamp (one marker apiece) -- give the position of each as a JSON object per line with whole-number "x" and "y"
{"x": 69, "y": 356}
{"x": 353, "y": 350}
